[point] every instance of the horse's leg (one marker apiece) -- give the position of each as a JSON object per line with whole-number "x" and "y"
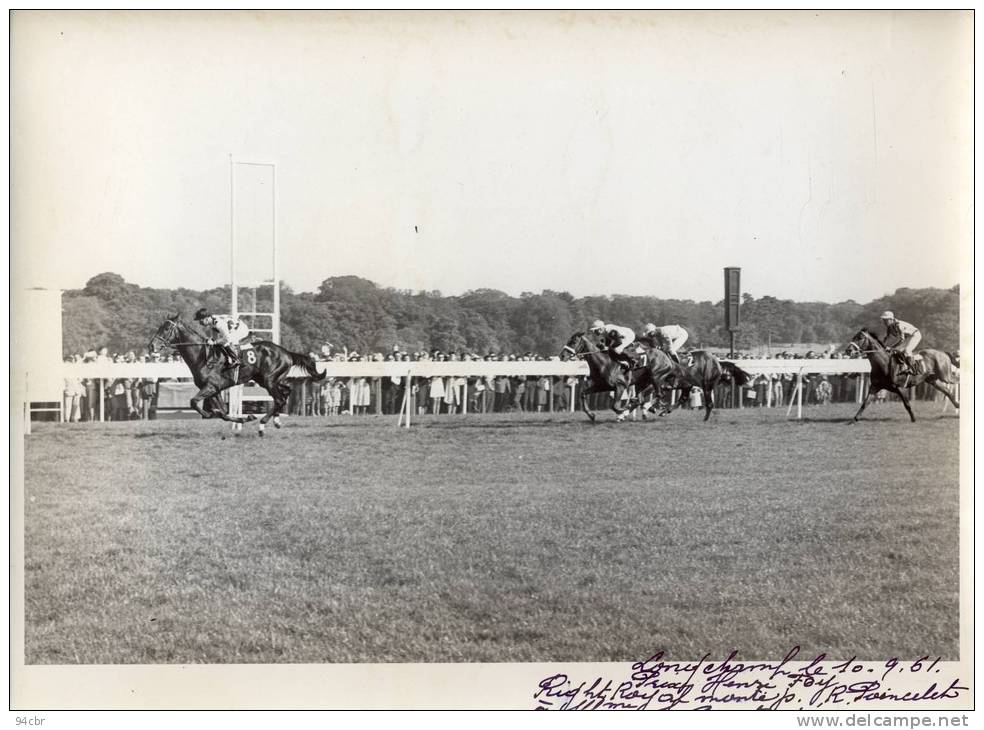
{"x": 665, "y": 401}
{"x": 864, "y": 403}
{"x": 620, "y": 413}
{"x": 284, "y": 395}
{"x": 204, "y": 394}
{"x": 280, "y": 392}
{"x": 708, "y": 400}
{"x": 945, "y": 391}
{"x": 584, "y": 402}
{"x": 199, "y": 398}
{"x": 905, "y": 402}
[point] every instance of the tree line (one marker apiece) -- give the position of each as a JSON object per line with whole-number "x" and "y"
{"x": 355, "y": 313}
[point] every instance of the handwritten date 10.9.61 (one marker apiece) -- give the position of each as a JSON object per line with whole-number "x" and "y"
{"x": 789, "y": 684}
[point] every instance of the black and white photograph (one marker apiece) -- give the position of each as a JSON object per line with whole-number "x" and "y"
{"x": 492, "y": 360}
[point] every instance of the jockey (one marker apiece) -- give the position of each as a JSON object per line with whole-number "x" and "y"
{"x": 616, "y": 339}
{"x": 229, "y": 332}
{"x": 905, "y": 334}
{"x": 669, "y": 338}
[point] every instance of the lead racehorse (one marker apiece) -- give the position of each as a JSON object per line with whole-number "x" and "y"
{"x": 888, "y": 373}
{"x": 265, "y": 363}
{"x": 608, "y": 375}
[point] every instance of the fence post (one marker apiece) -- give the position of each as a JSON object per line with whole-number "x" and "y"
{"x": 799, "y": 394}
{"x": 410, "y": 398}
{"x": 102, "y": 397}
{"x": 236, "y": 405}
{"x": 573, "y": 392}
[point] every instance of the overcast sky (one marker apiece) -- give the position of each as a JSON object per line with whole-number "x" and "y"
{"x": 829, "y": 155}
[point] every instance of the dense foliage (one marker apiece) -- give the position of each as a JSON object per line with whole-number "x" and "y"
{"x": 354, "y": 312}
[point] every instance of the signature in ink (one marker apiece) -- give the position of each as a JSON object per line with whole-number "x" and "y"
{"x": 790, "y": 683}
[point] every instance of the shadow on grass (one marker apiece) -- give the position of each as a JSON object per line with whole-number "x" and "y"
{"x": 841, "y": 419}
{"x": 490, "y": 424}
{"x": 172, "y": 435}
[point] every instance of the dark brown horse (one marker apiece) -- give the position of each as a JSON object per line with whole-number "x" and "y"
{"x": 265, "y": 363}
{"x": 607, "y": 375}
{"x": 889, "y": 373}
{"x": 704, "y": 371}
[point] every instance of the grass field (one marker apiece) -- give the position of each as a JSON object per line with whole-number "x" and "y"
{"x": 494, "y": 538}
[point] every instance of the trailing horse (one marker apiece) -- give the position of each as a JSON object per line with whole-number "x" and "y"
{"x": 606, "y": 374}
{"x": 264, "y": 362}
{"x": 889, "y": 373}
{"x": 705, "y": 371}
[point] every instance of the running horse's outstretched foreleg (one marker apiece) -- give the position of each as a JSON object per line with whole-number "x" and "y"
{"x": 208, "y": 391}
{"x": 590, "y": 388}
{"x": 864, "y": 404}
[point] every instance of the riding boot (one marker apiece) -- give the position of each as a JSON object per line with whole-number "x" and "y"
{"x": 233, "y": 360}
{"x": 909, "y": 363}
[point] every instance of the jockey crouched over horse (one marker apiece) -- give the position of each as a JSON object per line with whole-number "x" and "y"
{"x": 266, "y": 364}
{"x": 896, "y": 367}
{"x": 652, "y": 361}
{"x": 700, "y": 369}
{"x": 614, "y": 365}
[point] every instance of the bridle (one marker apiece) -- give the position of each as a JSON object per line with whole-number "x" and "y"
{"x": 575, "y": 353}
{"x": 856, "y": 346}
{"x": 172, "y": 330}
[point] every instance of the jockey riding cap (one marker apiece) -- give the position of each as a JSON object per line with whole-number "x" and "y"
{"x": 887, "y": 315}
{"x": 597, "y": 325}
{"x": 201, "y": 314}
{"x": 650, "y": 328}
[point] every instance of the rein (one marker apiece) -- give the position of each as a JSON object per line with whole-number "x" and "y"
{"x": 175, "y": 345}
{"x": 857, "y": 347}
{"x": 574, "y": 353}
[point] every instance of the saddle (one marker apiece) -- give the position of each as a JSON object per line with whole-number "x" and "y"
{"x": 902, "y": 367}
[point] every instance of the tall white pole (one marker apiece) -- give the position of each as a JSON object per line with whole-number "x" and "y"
{"x": 276, "y": 269}
{"x": 233, "y": 290}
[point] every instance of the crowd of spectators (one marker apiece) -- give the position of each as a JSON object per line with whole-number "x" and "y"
{"x": 122, "y": 399}
{"x": 435, "y": 395}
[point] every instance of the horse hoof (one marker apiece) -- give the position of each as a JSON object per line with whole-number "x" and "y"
{"x": 277, "y": 424}
{"x": 260, "y": 434}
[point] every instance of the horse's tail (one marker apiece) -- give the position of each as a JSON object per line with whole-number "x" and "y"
{"x": 740, "y": 376}
{"x": 307, "y": 362}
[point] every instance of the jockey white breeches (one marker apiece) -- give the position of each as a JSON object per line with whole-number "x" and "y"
{"x": 236, "y": 335}
{"x": 677, "y": 342}
{"x": 910, "y": 344}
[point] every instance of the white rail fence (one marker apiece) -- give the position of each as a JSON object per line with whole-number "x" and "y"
{"x": 43, "y": 385}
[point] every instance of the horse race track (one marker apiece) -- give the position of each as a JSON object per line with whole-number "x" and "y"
{"x": 494, "y": 538}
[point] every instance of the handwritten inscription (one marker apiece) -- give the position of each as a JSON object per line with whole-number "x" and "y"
{"x": 790, "y": 684}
